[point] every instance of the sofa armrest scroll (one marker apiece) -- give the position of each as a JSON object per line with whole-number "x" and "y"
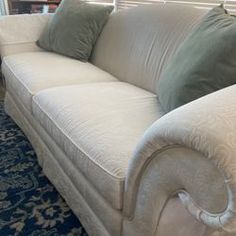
{"x": 207, "y": 128}
{"x": 20, "y": 32}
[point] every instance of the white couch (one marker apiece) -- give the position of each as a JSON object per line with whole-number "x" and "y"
{"x": 100, "y": 134}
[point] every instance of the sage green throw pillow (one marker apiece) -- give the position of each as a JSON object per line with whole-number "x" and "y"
{"x": 204, "y": 62}
{"x": 74, "y": 28}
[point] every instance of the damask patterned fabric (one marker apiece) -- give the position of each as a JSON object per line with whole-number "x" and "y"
{"x": 29, "y": 204}
{"x": 135, "y": 45}
{"x": 90, "y": 123}
{"x": 14, "y": 40}
{"x": 30, "y": 73}
{"x": 208, "y": 126}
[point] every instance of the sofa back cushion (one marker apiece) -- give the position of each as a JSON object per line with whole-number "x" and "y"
{"x": 136, "y": 44}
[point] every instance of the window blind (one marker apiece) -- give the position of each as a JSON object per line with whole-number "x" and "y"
{"x": 206, "y": 4}
{"x": 102, "y": 2}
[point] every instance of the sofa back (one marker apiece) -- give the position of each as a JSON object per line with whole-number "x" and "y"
{"x": 18, "y": 33}
{"x": 136, "y": 44}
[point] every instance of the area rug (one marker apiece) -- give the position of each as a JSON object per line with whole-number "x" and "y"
{"x": 29, "y": 204}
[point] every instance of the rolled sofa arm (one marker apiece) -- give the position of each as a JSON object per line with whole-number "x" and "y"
{"x": 18, "y": 33}
{"x": 189, "y": 152}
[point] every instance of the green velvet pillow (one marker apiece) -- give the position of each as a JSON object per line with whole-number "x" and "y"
{"x": 74, "y": 28}
{"x": 203, "y": 63}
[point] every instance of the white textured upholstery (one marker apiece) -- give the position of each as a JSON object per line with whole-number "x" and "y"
{"x": 136, "y": 44}
{"x": 18, "y": 33}
{"x": 28, "y": 73}
{"x": 208, "y": 126}
{"x": 98, "y": 126}
{"x": 175, "y": 216}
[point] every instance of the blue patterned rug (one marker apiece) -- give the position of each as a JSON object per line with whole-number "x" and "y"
{"x": 29, "y": 204}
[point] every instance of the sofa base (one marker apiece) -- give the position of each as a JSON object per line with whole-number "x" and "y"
{"x": 94, "y": 212}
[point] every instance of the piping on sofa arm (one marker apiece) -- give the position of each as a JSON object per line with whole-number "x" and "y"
{"x": 20, "y": 32}
{"x": 189, "y": 152}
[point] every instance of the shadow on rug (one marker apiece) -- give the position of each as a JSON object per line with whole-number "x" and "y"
{"x": 29, "y": 204}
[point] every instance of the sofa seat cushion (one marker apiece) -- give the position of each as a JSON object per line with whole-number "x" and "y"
{"x": 28, "y": 73}
{"x": 98, "y": 126}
